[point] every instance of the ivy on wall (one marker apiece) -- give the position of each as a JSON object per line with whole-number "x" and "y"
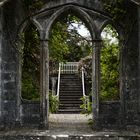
{"x": 117, "y": 9}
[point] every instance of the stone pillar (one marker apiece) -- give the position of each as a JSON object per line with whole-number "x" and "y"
{"x": 53, "y": 79}
{"x": 139, "y": 51}
{"x": 44, "y": 85}
{"x": 0, "y": 64}
{"x": 96, "y": 81}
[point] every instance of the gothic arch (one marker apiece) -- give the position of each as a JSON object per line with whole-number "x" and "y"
{"x": 25, "y": 25}
{"x": 109, "y": 22}
{"x": 79, "y": 12}
{"x": 27, "y": 22}
{"x": 48, "y": 23}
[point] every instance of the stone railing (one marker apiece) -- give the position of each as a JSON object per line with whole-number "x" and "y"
{"x": 69, "y": 67}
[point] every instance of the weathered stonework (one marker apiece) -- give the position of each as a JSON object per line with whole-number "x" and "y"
{"x": 14, "y": 112}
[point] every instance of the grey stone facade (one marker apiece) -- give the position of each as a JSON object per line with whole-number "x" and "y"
{"x": 14, "y": 112}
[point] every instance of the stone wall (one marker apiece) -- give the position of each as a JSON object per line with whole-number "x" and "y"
{"x": 30, "y": 113}
{"x": 93, "y": 4}
{"x": 13, "y": 111}
{"x": 130, "y": 65}
{"x": 110, "y": 116}
{"x": 12, "y": 17}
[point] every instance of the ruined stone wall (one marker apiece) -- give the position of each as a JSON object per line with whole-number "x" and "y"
{"x": 1, "y": 20}
{"x": 30, "y": 114}
{"x": 130, "y": 65}
{"x": 139, "y": 66}
{"x": 110, "y": 115}
{"x": 12, "y": 16}
{"x": 93, "y": 4}
{"x": 13, "y": 111}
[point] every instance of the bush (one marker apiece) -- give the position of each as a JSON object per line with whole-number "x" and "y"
{"x": 86, "y": 106}
{"x": 53, "y": 103}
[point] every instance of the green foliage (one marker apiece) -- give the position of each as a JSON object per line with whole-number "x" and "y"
{"x": 29, "y": 89}
{"x": 66, "y": 44}
{"x": 109, "y": 72}
{"x": 86, "y": 106}
{"x": 53, "y": 103}
{"x": 58, "y": 45}
{"x": 31, "y": 64}
{"x": 32, "y": 6}
{"x": 109, "y": 62}
{"x": 110, "y": 66}
{"x": 116, "y": 8}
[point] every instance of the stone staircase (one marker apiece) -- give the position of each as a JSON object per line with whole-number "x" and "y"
{"x": 70, "y": 94}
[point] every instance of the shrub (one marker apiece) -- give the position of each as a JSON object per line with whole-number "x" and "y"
{"x": 53, "y": 103}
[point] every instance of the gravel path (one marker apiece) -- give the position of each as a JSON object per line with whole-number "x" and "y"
{"x": 70, "y": 123}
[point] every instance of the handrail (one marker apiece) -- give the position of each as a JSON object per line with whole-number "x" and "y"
{"x": 58, "y": 84}
{"x": 86, "y": 98}
{"x": 83, "y": 82}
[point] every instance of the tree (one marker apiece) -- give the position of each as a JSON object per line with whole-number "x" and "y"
{"x": 109, "y": 62}
{"x": 66, "y": 44}
{"x": 110, "y": 65}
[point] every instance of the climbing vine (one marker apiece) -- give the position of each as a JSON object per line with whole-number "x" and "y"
{"x": 31, "y": 6}
{"x": 116, "y": 8}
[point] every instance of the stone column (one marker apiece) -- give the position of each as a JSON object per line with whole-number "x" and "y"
{"x": 139, "y": 50}
{"x": 53, "y": 79}
{"x": 44, "y": 85}
{"x": 0, "y": 65}
{"x": 96, "y": 81}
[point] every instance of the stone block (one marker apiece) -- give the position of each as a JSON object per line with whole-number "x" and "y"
{"x": 9, "y": 86}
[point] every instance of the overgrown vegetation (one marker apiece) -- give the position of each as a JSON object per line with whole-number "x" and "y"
{"x": 66, "y": 44}
{"x": 31, "y": 64}
{"x": 109, "y": 63}
{"x": 53, "y": 103}
{"x": 86, "y": 106}
{"x": 117, "y": 9}
{"x": 110, "y": 66}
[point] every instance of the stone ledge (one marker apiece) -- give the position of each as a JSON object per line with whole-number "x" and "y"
{"x": 49, "y": 135}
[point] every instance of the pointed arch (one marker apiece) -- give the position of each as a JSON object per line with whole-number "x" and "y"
{"x": 109, "y": 22}
{"x": 80, "y": 13}
{"x": 27, "y": 22}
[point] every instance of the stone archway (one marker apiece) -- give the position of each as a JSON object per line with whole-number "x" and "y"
{"x": 23, "y": 103}
{"x": 96, "y": 16}
{"x": 44, "y": 21}
{"x": 47, "y": 21}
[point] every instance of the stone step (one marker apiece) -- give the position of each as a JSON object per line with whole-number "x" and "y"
{"x": 70, "y": 83}
{"x": 70, "y": 92}
{"x": 71, "y": 78}
{"x": 67, "y": 135}
{"x": 70, "y": 99}
{"x": 69, "y": 111}
{"x": 69, "y": 106}
{"x": 74, "y": 89}
{"x": 70, "y": 102}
